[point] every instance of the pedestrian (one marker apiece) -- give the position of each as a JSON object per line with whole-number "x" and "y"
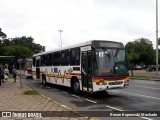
{"x": 14, "y": 73}
{"x": 2, "y": 74}
{"x": 6, "y": 73}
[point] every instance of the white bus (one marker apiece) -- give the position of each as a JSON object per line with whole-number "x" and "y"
{"x": 91, "y": 66}
{"x": 28, "y": 67}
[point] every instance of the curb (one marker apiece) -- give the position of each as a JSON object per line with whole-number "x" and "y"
{"x": 62, "y": 105}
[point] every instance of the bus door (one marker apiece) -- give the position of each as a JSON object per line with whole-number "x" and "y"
{"x": 86, "y": 70}
{"x": 38, "y": 69}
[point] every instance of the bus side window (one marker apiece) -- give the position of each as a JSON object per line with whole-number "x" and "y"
{"x": 43, "y": 60}
{"x": 56, "y": 58}
{"x": 65, "y": 57}
{"x": 75, "y": 56}
{"x": 49, "y": 59}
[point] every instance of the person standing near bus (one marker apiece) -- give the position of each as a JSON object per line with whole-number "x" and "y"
{"x": 14, "y": 73}
{"x": 6, "y": 72}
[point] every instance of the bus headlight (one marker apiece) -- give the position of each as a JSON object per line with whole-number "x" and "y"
{"x": 101, "y": 82}
{"x": 126, "y": 81}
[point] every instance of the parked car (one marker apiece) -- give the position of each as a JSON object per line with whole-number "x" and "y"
{"x": 137, "y": 67}
{"x": 152, "y": 68}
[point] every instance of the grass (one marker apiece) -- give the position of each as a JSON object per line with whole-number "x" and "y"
{"x": 144, "y": 77}
{"x": 31, "y": 92}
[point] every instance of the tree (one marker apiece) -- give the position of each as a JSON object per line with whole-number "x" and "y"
{"x": 158, "y": 41}
{"x": 18, "y": 50}
{"x": 2, "y": 34}
{"x": 140, "y": 52}
{"x": 28, "y": 42}
{"x": 21, "y": 46}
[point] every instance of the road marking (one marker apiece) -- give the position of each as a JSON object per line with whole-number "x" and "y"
{"x": 76, "y": 96}
{"x": 146, "y": 87}
{"x": 139, "y": 95}
{"x": 114, "y": 108}
{"x": 46, "y": 97}
{"x": 28, "y": 87}
{"x": 146, "y": 118}
{"x": 66, "y": 107}
{"x": 65, "y": 93}
{"x": 91, "y": 101}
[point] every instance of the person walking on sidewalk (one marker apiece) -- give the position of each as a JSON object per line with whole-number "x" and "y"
{"x": 14, "y": 72}
{"x": 6, "y": 73}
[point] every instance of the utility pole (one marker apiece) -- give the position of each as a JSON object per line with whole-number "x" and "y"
{"x": 61, "y": 37}
{"x": 157, "y": 38}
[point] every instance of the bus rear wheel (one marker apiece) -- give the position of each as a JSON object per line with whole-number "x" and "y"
{"x": 76, "y": 86}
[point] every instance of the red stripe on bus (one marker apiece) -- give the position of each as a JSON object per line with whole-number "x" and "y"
{"x": 77, "y": 74}
{"x": 111, "y": 77}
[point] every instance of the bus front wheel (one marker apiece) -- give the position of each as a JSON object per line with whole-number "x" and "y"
{"x": 76, "y": 86}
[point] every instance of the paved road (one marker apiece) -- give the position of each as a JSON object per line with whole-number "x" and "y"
{"x": 141, "y": 95}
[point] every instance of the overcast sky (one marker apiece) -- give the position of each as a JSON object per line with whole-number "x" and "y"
{"x": 81, "y": 20}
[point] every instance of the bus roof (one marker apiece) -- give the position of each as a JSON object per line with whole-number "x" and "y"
{"x": 76, "y": 45}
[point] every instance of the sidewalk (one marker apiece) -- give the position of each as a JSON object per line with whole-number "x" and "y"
{"x": 13, "y": 99}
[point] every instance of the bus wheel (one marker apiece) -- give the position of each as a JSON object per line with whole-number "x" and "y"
{"x": 44, "y": 80}
{"x": 76, "y": 86}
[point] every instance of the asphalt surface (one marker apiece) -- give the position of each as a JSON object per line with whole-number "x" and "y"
{"x": 140, "y": 96}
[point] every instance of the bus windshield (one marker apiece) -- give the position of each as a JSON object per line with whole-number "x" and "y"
{"x": 109, "y": 62}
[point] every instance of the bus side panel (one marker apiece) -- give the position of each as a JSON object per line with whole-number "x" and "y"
{"x": 61, "y": 75}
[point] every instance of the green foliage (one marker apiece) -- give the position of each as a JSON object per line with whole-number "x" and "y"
{"x": 158, "y": 41}
{"x": 18, "y": 50}
{"x": 140, "y": 52}
{"x": 2, "y": 34}
{"x": 29, "y": 43}
{"x": 19, "y": 46}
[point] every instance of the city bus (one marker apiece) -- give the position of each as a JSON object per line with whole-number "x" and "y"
{"x": 92, "y": 66}
{"x": 28, "y": 67}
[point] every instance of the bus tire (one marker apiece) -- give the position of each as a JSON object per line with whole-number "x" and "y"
{"x": 44, "y": 80}
{"x": 76, "y": 86}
